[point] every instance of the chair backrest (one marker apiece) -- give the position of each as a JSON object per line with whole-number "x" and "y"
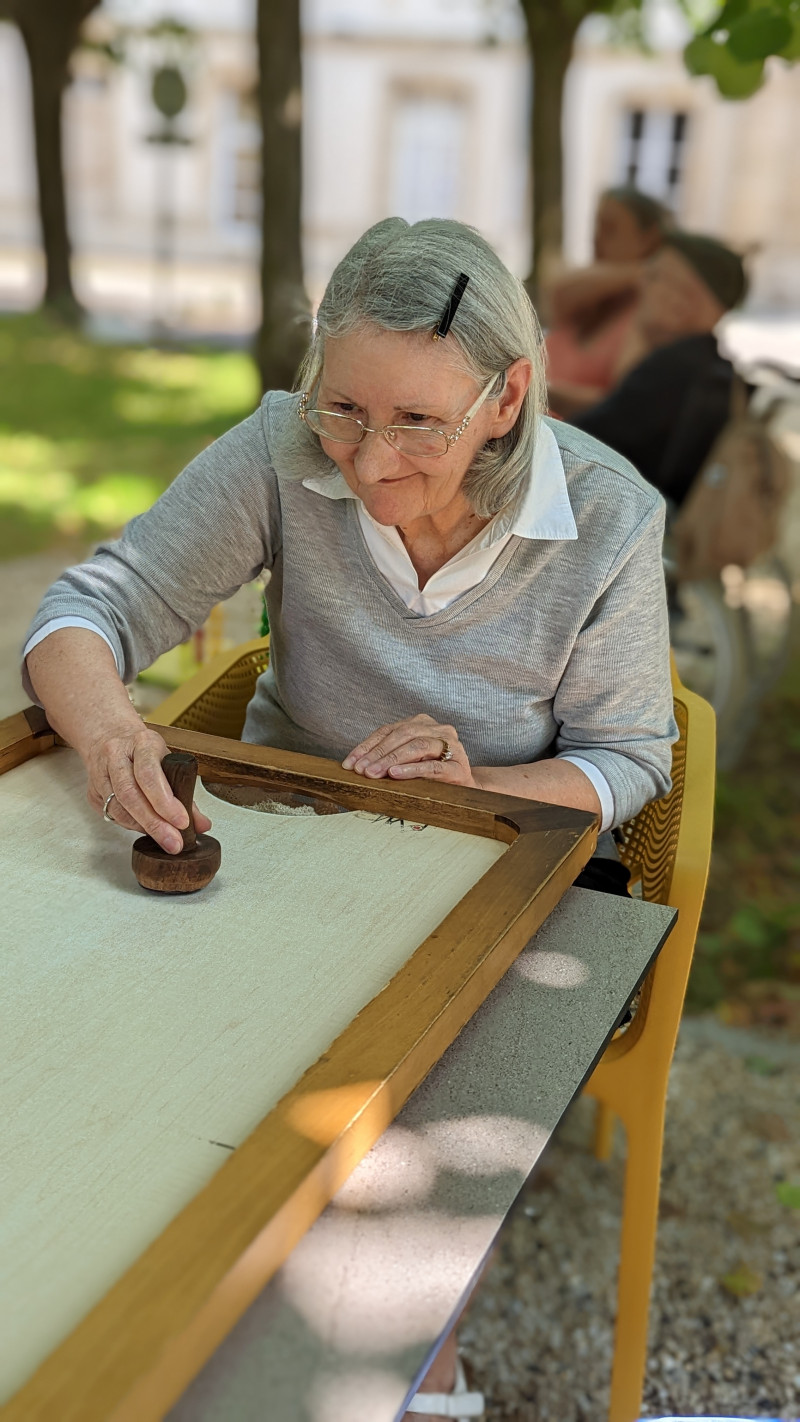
{"x": 648, "y": 843}
{"x": 215, "y": 699}
{"x": 679, "y": 825}
{"x": 667, "y": 847}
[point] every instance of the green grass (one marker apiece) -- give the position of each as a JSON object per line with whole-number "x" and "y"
{"x": 91, "y": 434}
{"x": 749, "y": 940}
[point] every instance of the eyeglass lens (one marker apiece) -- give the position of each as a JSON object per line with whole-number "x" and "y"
{"x": 343, "y": 430}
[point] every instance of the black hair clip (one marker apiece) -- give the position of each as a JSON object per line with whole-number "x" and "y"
{"x": 451, "y": 308}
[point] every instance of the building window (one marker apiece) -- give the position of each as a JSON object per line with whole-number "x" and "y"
{"x": 240, "y": 161}
{"x": 89, "y": 146}
{"x": 652, "y": 152}
{"x": 427, "y": 153}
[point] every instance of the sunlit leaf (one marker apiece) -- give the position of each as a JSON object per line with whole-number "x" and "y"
{"x": 700, "y": 55}
{"x": 742, "y": 1281}
{"x": 791, "y": 50}
{"x": 757, "y": 34}
{"x": 736, "y": 80}
{"x": 733, "y": 10}
{"x": 788, "y": 1194}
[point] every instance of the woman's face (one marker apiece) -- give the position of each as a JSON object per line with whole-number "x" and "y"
{"x": 397, "y": 378}
{"x": 618, "y": 236}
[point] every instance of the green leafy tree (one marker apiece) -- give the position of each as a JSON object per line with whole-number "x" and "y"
{"x": 50, "y": 30}
{"x": 743, "y": 34}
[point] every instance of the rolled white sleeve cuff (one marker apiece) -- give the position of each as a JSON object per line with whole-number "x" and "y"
{"x": 600, "y": 784}
{"x": 56, "y": 623}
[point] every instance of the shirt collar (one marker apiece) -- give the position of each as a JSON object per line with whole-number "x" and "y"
{"x": 542, "y": 510}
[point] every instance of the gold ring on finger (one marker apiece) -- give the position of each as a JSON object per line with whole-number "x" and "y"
{"x": 106, "y": 815}
{"x": 446, "y": 753}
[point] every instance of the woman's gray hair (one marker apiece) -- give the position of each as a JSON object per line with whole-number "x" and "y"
{"x": 399, "y": 278}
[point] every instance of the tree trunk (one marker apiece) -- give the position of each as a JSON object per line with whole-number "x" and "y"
{"x": 50, "y": 32}
{"x": 551, "y": 35}
{"x": 285, "y": 326}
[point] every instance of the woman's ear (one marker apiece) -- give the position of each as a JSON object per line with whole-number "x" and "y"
{"x": 518, "y": 379}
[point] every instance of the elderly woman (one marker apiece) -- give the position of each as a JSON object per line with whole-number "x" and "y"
{"x": 460, "y": 590}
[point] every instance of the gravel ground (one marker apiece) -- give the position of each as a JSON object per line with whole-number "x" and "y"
{"x": 725, "y": 1317}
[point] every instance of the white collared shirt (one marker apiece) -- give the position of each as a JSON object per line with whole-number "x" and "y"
{"x": 542, "y": 510}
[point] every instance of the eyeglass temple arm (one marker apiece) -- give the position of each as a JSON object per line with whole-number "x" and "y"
{"x": 484, "y": 395}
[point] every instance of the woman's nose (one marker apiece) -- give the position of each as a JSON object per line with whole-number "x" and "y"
{"x": 376, "y": 459}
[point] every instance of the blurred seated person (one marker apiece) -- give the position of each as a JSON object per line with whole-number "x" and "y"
{"x": 591, "y": 309}
{"x": 667, "y": 411}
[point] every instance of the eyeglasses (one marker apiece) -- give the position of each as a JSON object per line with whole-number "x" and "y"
{"x": 421, "y": 441}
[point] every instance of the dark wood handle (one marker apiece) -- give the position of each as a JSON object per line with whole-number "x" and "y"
{"x": 180, "y": 769}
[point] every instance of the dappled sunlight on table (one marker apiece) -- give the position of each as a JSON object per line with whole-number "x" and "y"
{"x": 400, "y": 1272}
{"x": 556, "y": 970}
{"x": 485, "y": 1145}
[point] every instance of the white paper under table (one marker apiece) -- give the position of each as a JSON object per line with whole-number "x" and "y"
{"x": 141, "y": 1035}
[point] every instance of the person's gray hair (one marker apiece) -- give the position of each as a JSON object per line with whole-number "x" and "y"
{"x": 399, "y": 278}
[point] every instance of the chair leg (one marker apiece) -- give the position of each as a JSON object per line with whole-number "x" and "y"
{"x": 603, "y": 1141}
{"x": 637, "y": 1254}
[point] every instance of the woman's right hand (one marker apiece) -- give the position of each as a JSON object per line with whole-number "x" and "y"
{"x": 74, "y": 675}
{"x": 128, "y": 761}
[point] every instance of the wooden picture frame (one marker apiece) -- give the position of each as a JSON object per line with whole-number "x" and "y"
{"x": 135, "y": 1352}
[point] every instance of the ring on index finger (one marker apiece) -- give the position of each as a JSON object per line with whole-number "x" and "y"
{"x": 106, "y": 815}
{"x": 446, "y": 753}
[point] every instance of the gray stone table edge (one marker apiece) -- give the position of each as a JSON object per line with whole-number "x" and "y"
{"x": 348, "y": 1326}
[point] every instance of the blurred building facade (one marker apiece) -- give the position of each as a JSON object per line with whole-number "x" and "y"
{"x": 416, "y": 107}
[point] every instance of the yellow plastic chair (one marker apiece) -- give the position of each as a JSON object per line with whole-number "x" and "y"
{"x": 667, "y": 848}
{"x": 215, "y": 699}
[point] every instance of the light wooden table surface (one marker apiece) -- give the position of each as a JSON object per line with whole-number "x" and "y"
{"x": 163, "y": 1156}
{"x": 346, "y": 1329}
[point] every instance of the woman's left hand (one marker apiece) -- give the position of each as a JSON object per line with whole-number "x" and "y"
{"x": 410, "y": 750}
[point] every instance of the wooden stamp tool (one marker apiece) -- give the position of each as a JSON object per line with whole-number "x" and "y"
{"x": 198, "y": 861}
